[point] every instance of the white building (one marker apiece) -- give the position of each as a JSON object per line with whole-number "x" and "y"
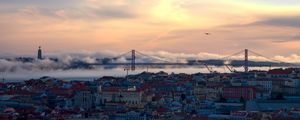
{"x": 132, "y": 115}
{"x": 280, "y": 73}
{"x": 264, "y": 83}
{"x": 84, "y": 99}
{"x": 132, "y": 97}
{"x": 293, "y": 83}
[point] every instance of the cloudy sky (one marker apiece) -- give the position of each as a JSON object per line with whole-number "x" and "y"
{"x": 269, "y": 27}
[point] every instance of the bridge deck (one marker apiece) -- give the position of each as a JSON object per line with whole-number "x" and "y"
{"x": 177, "y": 64}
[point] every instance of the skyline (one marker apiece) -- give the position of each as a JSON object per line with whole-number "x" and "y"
{"x": 176, "y": 26}
{"x": 149, "y": 59}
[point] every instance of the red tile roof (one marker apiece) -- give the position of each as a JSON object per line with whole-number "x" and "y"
{"x": 162, "y": 110}
{"x": 111, "y": 89}
{"x": 280, "y": 71}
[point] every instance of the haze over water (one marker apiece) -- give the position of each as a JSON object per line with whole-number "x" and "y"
{"x": 118, "y": 72}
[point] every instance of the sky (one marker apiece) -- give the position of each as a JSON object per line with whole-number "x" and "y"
{"x": 268, "y": 27}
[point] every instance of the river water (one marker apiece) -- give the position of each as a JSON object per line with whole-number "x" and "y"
{"x": 87, "y": 75}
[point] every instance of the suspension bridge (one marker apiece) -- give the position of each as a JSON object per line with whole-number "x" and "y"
{"x": 135, "y": 59}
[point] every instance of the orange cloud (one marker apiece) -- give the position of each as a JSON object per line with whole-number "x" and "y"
{"x": 170, "y": 25}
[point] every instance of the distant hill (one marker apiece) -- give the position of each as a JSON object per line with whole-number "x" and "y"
{"x": 239, "y": 63}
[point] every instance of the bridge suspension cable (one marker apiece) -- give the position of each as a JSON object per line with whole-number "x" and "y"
{"x": 121, "y": 55}
{"x": 153, "y": 57}
{"x": 229, "y": 56}
{"x": 151, "y": 60}
{"x": 268, "y": 58}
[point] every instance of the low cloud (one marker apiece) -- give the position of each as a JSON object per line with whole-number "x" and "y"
{"x": 293, "y": 58}
{"x": 78, "y": 60}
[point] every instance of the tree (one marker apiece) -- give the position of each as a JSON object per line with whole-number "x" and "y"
{"x": 242, "y": 100}
{"x": 222, "y": 99}
{"x": 183, "y": 97}
{"x": 279, "y": 96}
{"x": 193, "y": 112}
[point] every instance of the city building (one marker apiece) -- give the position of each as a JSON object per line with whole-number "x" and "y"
{"x": 280, "y": 73}
{"x": 131, "y": 96}
{"x": 235, "y": 93}
{"x": 153, "y": 96}
{"x": 84, "y": 99}
{"x": 265, "y": 83}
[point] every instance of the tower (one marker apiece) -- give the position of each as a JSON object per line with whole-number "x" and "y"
{"x": 39, "y": 55}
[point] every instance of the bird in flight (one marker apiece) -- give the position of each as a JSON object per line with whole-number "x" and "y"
{"x": 207, "y": 33}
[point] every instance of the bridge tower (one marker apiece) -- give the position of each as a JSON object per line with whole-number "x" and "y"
{"x": 246, "y": 62}
{"x": 132, "y": 59}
